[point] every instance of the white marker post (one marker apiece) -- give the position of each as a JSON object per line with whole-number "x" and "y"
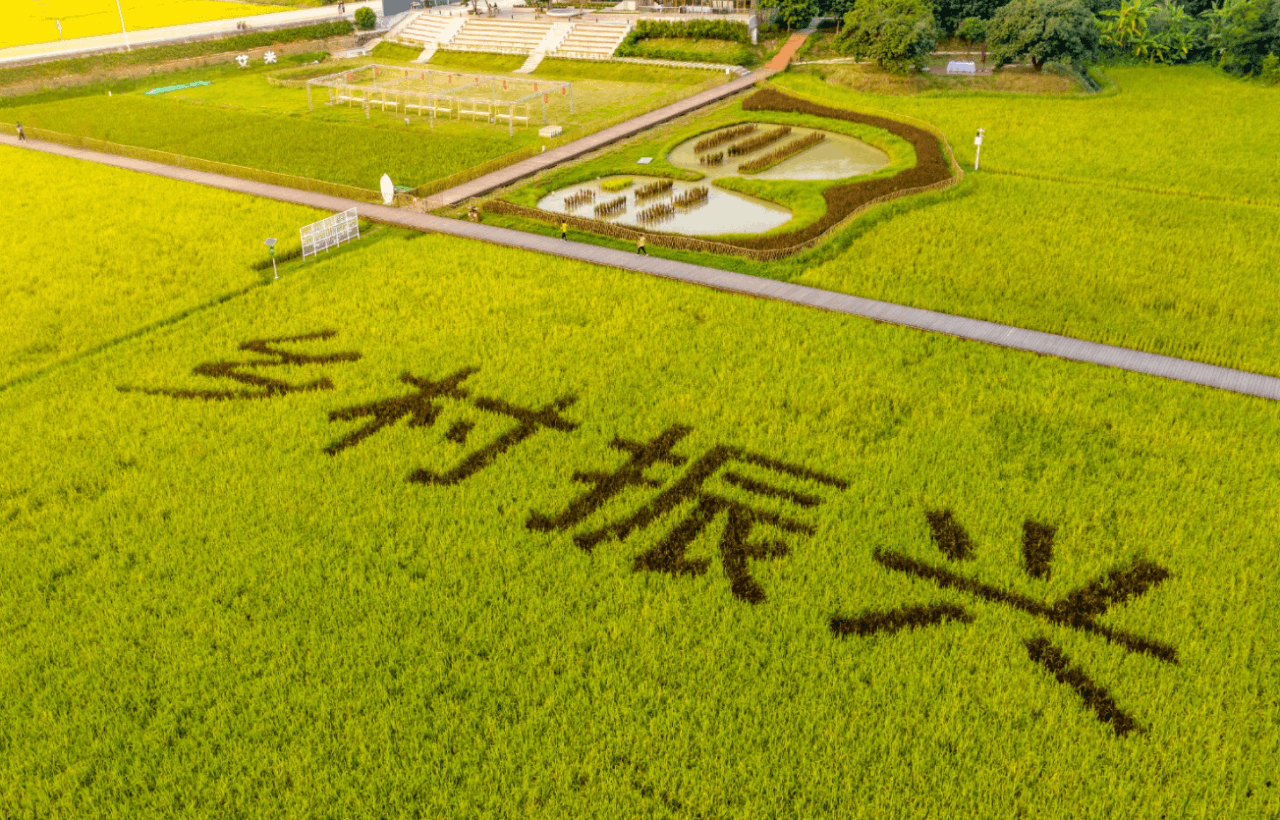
{"x": 122, "y": 28}
{"x": 271, "y": 246}
{"x": 977, "y": 154}
{"x": 58, "y": 23}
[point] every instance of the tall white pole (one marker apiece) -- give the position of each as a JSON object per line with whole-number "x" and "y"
{"x": 122, "y": 28}
{"x": 977, "y": 151}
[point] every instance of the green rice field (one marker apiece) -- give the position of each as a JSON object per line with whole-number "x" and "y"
{"x": 239, "y": 117}
{"x": 1099, "y": 217}
{"x": 138, "y": 251}
{"x": 430, "y": 528}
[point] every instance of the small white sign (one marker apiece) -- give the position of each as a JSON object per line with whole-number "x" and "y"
{"x": 269, "y": 58}
{"x": 243, "y": 60}
{"x": 957, "y": 67}
{"x": 977, "y": 140}
{"x": 644, "y": 160}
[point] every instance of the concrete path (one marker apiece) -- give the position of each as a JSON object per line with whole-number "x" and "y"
{"x": 1048, "y": 344}
{"x": 548, "y": 159}
{"x": 168, "y": 34}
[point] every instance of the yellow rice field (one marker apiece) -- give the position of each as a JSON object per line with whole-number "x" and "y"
{"x": 35, "y": 21}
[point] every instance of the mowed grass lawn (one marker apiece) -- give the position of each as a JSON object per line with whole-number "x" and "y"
{"x": 243, "y": 608}
{"x": 35, "y": 21}
{"x": 240, "y": 118}
{"x": 131, "y": 250}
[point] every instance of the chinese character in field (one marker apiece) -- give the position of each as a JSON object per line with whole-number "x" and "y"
{"x": 1079, "y": 609}
{"x": 422, "y": 408}
{"x": 249, "y": 373}
{"x": 704, "y": 493}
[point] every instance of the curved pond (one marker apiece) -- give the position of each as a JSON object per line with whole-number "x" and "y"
{"x": 837, "y": 156}
{"x": 722, "y": 212}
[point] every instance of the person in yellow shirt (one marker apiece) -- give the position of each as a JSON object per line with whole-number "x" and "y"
{"x": 640, "y": 245}
{"x": 564, "y": 231}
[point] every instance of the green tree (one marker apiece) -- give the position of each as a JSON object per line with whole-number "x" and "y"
{"x": 1043, "y": 31}
{"x": 796, "y": 13}
{"x": 898, "y": 34}
{"x": 1242, "y": 33}
{"x": 366, "y": 18}
{"x": 972, "y": 30}
{"x": 950, "y": 13}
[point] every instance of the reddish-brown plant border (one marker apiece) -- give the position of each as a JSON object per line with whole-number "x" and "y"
{"x": 932, "y": 172}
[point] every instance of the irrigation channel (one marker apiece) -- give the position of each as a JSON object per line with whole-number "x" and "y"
{"x": 721, "y": 211}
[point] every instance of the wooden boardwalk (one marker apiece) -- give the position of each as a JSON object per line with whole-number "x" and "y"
{"x": 1033, "y": 341}
{"x": 601, "y": 139}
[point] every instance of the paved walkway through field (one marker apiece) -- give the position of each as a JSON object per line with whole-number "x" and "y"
{"x": 169, "y": 34}
{"x": 548, "y": 159}
{"x": 783, "y": 57}
{"x": 1237, "y": 381}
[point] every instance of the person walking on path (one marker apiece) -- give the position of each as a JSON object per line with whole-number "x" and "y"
{"x": 22, "y": 135}
{"x": 564, "y": 231}
{"x": 640, "y": 245}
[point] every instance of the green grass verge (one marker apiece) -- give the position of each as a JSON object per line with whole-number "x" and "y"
{"x": 206, "y": 615}
{"x": 70, "y": 282}
{"x": 395, "y": 52}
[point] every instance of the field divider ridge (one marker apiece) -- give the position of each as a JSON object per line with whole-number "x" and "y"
{"x": 1015, "y": 338}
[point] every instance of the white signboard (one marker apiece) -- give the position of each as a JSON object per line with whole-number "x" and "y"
{"x": 330, "y": 233}
{"x": 388, "y": 190}
{"x": 956, "y": 67}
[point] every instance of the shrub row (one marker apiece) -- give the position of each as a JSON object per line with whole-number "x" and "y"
{"x": 690, "y": 30}
{"x": 779, "y": 154}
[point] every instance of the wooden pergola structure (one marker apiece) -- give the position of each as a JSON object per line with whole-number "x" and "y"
{"x": 433, "y": 93}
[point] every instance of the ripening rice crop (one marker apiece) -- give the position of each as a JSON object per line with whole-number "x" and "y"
{"x": 63, "y": 294}
{"x": 723, "y": 136}
{"x": 778, "y": 155}
{"x": 756, "y": 143}
{"x": 699, "y": 565}
{"x": 612, "y": 207}
{"x": 614, "y": 185}
{"x": 655, "y": 188}
{"x": 35, "y": 21}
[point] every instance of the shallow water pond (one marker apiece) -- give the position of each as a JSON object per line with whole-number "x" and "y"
{"x": 722, "y": 212}
{"x": 839, "y": 156}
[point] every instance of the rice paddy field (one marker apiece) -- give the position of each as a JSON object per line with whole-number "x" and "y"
{"x": 1145, "y": 216}
{"x": 71, "y": 283}
{"x": 239, "y": 117}
{"x": 35, "y": 21}
{"x": 436, "y": 529}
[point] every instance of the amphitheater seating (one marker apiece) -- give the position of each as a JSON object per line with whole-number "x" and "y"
{"x": 591, "y": 42}
{"x": 426, "y": 29}
{"x": 499, "y": 36}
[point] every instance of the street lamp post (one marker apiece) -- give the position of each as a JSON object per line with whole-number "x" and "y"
{"x": 122, "y": 28}
{"x": 271, "y": 246}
